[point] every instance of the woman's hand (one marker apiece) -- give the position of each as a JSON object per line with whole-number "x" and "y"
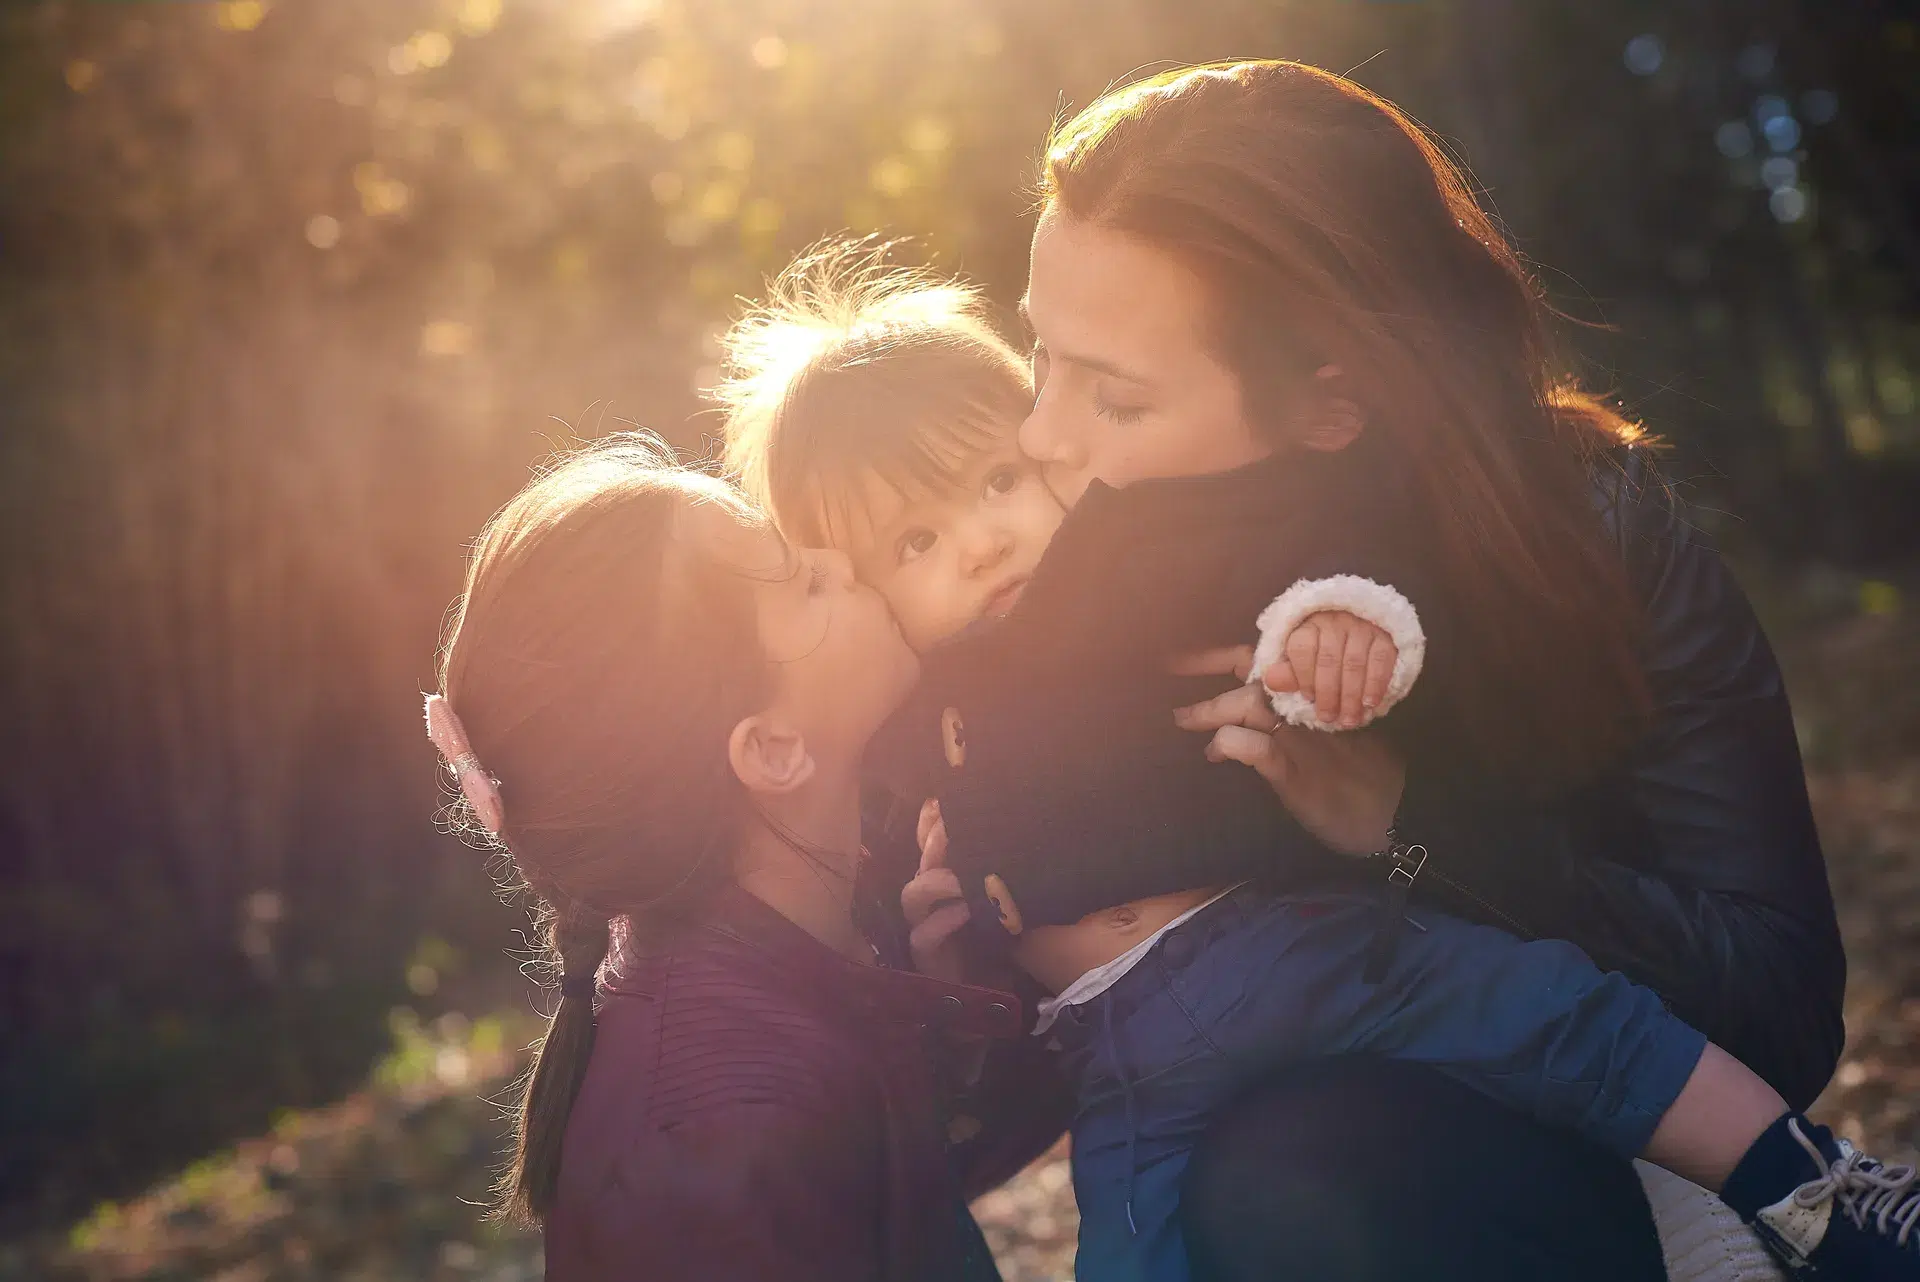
{"x": 934, "y": 906}
{"x": 1343, "y": 788}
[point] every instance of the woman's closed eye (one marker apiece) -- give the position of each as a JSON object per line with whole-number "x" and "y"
{"x": 915, "y": 544}
{"x": 1121, "y": 415}
{"x": 816, "y": 579}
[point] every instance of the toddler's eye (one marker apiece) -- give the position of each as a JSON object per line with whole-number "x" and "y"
{"x": 916, "y": 543}
{"x": 1004, "y": 479}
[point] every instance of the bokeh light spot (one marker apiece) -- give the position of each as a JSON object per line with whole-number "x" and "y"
{"x": 1644, "y": 54}
{"x": 81, "y": 74}
{"x": 1879, "y": 597}
{"x": 379, "y": 194}
{"x": 446, "y": 338}
{"x": 239, "y": 15}
{"x": 761, "y": 218}
{"x": 323, "y": 231}
{"x": 430, "y": 48}
{"x": 1783, "y": 133}
{"x": 477, "y": 17}
{"x": 1780, "y": 172}
{"x": 718, "y": 201}
{"x": 929, "y": 136}
{"x": 892, "y": 177}
{"x": 1788, "y": 204}
{"x": 769, "y": 53}
{"x": 1734, "y": 139}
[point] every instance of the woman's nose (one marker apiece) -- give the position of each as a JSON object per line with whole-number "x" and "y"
{"x": 1043, "y": 438}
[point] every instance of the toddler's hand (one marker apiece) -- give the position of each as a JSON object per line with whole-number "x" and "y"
{"x": 1340, "y": 661}
{"x": 934, "y": 906}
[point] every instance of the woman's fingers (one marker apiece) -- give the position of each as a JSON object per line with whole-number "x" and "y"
{"x": 922, "y": 896}
{"x": 1235, "y": 661}
{"x": 1249, "y": 748}
{"x": 1244, "y": 706}
{"x": 1381, "y": 656}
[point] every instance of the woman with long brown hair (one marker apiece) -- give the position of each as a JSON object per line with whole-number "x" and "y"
{"x": 1227, "y": 249}
{"x": 656, "y": 708}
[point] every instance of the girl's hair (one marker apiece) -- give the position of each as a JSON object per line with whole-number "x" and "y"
{"x": 1329, "y": 229}
{"x": 855, "y": 368}
{"x": 599, "y": 665}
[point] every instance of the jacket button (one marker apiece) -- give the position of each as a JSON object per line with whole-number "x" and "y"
{"x": 998, "y": 1010}
{"x": 952, "y": 1006}
{"x": 1178, "y": 950}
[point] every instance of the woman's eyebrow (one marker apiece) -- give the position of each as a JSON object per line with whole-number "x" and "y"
{"x": 1095, "y": 363}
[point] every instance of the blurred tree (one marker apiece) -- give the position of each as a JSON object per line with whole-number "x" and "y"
{"x": 288, "y": 291}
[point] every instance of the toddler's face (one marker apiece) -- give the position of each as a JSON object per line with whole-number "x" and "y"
{"x": 943, "y": 560}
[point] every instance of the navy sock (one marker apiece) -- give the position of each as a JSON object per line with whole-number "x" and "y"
{"x": 1775, "y": 1166}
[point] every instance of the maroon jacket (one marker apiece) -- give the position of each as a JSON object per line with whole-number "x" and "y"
{"x": 759, "y": 1108}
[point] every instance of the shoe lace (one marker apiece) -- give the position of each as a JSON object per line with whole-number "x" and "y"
{"x": 1864, "y": 1187}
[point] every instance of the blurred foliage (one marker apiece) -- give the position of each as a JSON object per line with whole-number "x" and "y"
{"x": 290, "y": 293}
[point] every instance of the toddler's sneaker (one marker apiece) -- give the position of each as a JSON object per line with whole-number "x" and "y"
{"x": 1824, "y": 1208}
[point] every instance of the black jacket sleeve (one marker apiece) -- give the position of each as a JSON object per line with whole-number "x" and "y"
{"x": 1696, "y": 869}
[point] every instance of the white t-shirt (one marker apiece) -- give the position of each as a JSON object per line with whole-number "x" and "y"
{"x": 1105, "y": 976}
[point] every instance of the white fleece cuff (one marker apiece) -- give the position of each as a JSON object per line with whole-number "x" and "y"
{"x": 1378, "y": 604}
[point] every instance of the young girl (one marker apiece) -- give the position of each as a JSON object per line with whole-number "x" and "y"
{"x": 862, "y": 407}
{"x": 656, "y": 707}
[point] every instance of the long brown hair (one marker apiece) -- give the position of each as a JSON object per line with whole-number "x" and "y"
{"x": 598, "y": 667}
{"x": 1329, "y": 229}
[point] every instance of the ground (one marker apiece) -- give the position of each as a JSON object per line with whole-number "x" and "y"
{"x": 386, "y": 1185}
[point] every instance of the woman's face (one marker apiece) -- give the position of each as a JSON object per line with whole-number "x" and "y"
{"x": 841, "y": 666}
{"x": 1128, "y": 388}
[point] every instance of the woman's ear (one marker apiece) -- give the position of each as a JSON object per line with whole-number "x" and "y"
{"x": 1331, "y": 421}
{"x": 768, "y": 755}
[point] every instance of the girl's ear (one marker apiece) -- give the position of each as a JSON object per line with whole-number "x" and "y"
{"x": 1330, "y": 422}
{"x": 768, "y": 755}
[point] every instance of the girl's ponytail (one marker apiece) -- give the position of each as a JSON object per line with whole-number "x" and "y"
{"x": 577, "y": 937}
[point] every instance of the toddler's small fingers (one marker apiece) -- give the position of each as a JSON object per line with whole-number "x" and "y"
{"x": 1303, "y": 654}
{"x": 1326, "y": 676}
{"x": 1381, "y": 656}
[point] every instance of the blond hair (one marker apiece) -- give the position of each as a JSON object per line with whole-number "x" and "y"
{"x": 854, "y": 368}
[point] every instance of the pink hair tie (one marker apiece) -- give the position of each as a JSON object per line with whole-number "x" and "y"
{"x": 481, "y": 789}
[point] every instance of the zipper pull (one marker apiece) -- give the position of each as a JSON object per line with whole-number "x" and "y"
{"x": 1407, "y": 862}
